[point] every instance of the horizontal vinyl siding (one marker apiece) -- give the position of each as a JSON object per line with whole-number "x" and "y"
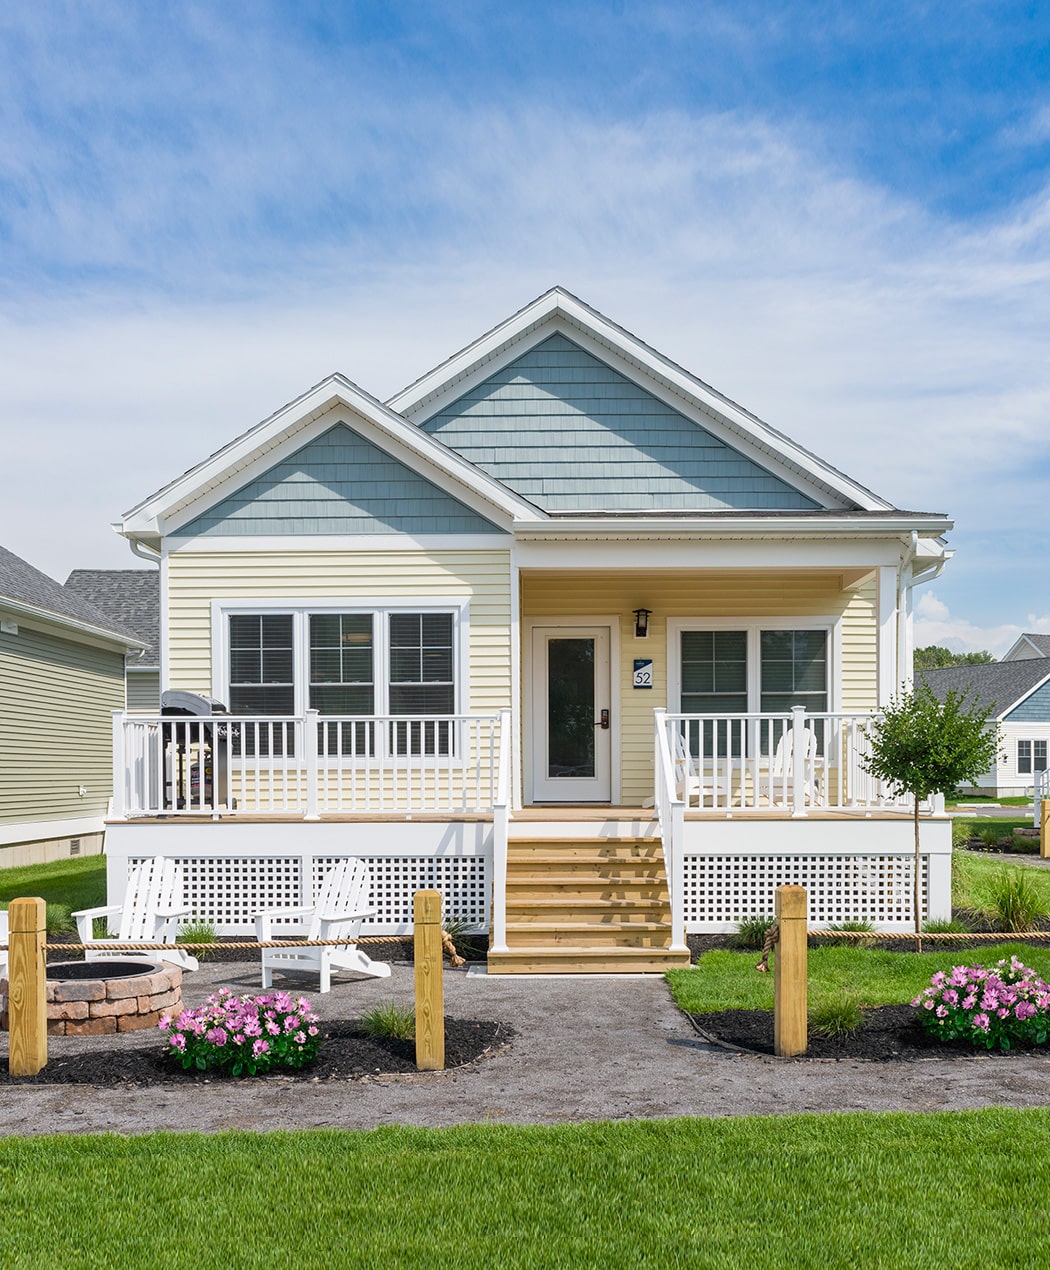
{"x": 671, "y": 595}
{"x": 197, "y": 578}
{"x": 55, "y": 727}
{"x": 143, "y": 691}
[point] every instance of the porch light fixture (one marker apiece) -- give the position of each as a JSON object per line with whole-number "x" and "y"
{"x": 641, "y": 623}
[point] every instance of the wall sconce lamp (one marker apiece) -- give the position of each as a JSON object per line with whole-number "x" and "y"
{"x": 641, "y": 623}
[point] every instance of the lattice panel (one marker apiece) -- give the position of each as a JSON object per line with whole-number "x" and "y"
{"x": 462, "y": 880}
{"x": 229, "y": 891}
{"x": 722, "y": 889}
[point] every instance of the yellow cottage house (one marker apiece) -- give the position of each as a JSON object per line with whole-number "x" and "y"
{"x": 559, "y": 630}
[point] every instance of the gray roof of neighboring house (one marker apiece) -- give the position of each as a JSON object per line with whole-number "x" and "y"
{"x": 24, "y": 585}
{"x": 1042, "y": 642}
{"x": 998, "y": 685}
{"x": 130, "y": 597}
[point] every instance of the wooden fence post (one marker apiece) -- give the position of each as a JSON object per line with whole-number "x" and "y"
{"x": 430, "y": 992}
{"x": 789, "y": 974}
{"x": 26, "y": 987}
{"x": 1044, "y": 828}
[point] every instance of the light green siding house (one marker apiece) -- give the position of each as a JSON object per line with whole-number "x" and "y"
{"x": 61, "y": 677}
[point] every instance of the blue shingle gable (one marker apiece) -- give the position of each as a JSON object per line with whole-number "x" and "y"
{"x": 339, "y": 483}
{"x": 1034, "y": 709}
{"x": 570, "y": 433}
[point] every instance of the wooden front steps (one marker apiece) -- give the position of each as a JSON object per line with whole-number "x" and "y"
{"x": 579, "y": 905}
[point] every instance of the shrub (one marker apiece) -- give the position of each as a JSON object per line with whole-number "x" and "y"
{"x": 196, "y": 931}
{"x": 58, "y": 919}
{"x": 390, "y": 1019}
{"x": 468, "y": 942}
{"x": 751, "y": 931}
{"x": 856, "y": 924}
{"x": 994, "y": 1007}
{"x": 837, "y": 1016}
{"x": 1014, "y": 900}
{"x": 990, "y": 835}
{"x": 946, "y": 926}
{"x": 244, "y": 1036}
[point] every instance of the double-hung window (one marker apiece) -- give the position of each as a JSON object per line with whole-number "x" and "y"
{"x": 350, "y": 666}
{"x": 750, "y": 669}
{"x": 1031, "y": 757}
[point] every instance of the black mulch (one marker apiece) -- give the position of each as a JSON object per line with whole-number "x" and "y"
{"x": 347, "y": 1054}
{"x": 889, "y": 1033}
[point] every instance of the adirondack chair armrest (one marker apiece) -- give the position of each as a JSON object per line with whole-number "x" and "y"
{"x": 347, "y": 917}
{"x": 85, "y": 916}
{"x": 168, "y": 913}
{"x": 264, "y": 919}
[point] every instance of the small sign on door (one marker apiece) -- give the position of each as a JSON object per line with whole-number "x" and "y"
{"x": 643, "y": 672}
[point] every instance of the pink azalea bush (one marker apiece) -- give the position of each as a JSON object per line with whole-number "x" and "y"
{"x": 244, "y": 1036}
{"x": 996, "y": 1007}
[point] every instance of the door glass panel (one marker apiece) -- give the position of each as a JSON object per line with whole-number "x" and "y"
{"x": 570, "y": 707}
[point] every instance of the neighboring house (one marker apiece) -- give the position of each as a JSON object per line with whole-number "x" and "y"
{"x": 1018, "y": 695}
{"x": 61, "y": 678}
{"x": 131, "y": 598}
{"x": 1027, "y": 646}
{"x": 532, "y": 632}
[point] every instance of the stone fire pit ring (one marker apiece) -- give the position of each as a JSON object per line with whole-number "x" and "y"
{"x": 96, "y": 998}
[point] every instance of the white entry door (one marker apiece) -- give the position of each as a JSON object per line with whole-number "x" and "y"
{"x": 571, "y": 722}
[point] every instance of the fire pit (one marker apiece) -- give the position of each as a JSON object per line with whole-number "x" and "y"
{"x": 92, "y": 998}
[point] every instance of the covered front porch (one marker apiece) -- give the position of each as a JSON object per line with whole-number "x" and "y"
{"x": 256, "y": 810}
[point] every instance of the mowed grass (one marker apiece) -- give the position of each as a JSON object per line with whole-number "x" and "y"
{"x": 964, "y": 828}
{"x": 79, "y": 882}
{"x": 872, "y": 1190}
{"x": 724, "y": 980}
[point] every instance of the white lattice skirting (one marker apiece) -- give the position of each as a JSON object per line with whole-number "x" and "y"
{"x": 721, "y": 890}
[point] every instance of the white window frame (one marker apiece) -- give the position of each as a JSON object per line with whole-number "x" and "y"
{"x": 300, "y": 610}
{"x": 1031, "y": 742}
{"x": 754, "y": 626}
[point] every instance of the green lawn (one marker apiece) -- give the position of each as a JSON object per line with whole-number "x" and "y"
{"x": 729, "y": 981}
{"x": 951, "y": 1189}
{"x": 80, "y": 883}
{"x": 964, "y": 828}
{"x": 973, "y": 874}
{"x": 979, "y": 800}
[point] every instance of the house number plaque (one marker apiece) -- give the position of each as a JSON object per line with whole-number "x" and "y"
{"x": 643, "y": 672}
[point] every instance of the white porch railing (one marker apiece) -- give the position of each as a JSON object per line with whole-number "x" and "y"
{"x": 305, "y": 765}
{"x": 794, "y": 762}
{"x": 670, "y": 812}
{"x": 1040, "y": 790}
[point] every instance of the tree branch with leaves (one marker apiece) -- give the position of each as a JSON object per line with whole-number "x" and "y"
{"x": 922, "y": 746}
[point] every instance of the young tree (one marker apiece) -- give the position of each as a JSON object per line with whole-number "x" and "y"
{"x": 922, "y": 746}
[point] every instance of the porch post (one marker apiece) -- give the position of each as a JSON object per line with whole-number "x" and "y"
{"x": 119, "y": 765}
{"x": 310, "y": 759}
{"x": 798, "y": 761}
{"x": 501, "y": 833}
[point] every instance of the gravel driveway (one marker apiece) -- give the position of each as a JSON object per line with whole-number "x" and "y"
{"x": 586, "y": 1048}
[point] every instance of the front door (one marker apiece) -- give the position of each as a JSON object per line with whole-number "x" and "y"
{"x": 571, "y": 720}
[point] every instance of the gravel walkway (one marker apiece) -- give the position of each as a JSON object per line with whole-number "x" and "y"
{"x": 587, "y": 1048}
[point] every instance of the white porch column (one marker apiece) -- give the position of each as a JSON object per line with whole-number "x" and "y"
{"x": 905, "y": 631}
{"x": 888, "y": 679}
{"x": 119, "y": 765}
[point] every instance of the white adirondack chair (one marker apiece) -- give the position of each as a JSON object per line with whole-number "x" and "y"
{"x": 340, "y": 909}
{"x": 152, "y": 903}
{"x": 784, "y": 765}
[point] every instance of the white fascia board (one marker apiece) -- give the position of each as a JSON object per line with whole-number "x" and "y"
{"x": 284, "y": 543}
{"x": 291, "y": 428}
{"x": 557, "y": 310}
{"x": 698, "y": 527}
{"x": 44, "y": 619}
{"x": 758, "y": 556}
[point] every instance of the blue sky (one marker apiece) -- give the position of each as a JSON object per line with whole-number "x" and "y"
{"x": 837, "y": 214}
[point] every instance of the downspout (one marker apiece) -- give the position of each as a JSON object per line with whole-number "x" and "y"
{"x": 143, "y": 552}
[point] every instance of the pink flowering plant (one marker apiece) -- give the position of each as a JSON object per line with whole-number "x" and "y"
{"x": 996, "y": 1007}
{"x": 244, "y": 1036}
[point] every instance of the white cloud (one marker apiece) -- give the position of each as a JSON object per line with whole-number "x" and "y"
{"x": 935, "y": 624}
{"x": 904, "y": 350}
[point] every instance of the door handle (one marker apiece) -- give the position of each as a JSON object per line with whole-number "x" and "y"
{"x": 603, "y": 722}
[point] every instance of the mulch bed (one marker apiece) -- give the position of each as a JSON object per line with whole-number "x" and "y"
{"x": 889, "y": 1033}
{"x": 347, "y": 1054}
